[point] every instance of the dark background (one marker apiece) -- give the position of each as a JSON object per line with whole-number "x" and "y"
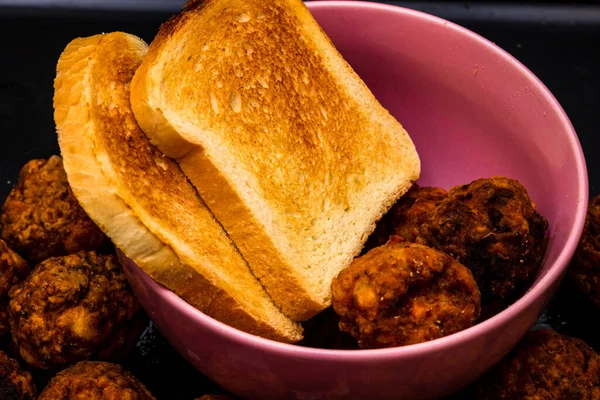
{"x": 558, "y": 41}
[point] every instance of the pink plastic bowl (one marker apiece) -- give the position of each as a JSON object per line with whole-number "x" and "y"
{"x": 473, "y": 111}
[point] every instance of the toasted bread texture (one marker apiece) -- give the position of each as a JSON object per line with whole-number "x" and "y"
{"x": 284, "y": 142}
{"x": 141, "y": 199}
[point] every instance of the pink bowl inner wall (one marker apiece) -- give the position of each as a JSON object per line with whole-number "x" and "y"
{"x": 470, "y": 114}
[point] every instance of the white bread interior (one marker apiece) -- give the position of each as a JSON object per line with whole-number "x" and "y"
{"x": 284, "y": 142}
{"x": 141, "y": 199}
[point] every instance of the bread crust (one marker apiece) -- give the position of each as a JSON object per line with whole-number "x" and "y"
{"x": 283, "y": 283}
{"x": 315, "y": 141}
{"x": 141, "y": 199}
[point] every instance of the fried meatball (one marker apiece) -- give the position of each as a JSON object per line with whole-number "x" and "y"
{"x": 4, "y": 324}
{"x": 585, "y": 267}
{"x": 406, "y": 217}
{"x": 15, "y": 384}
{"x": 544, "y": 365}
{"x": 95, "y": 381}
{"x": 13, "y": 269}
{"x": 68, "y": 307}
{"x": 491, "y": 226}
{"x": 42, "y": 217}
{"x": 404, "y": 293}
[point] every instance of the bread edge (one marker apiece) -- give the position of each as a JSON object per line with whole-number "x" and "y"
{"x": 115, "y": 217}
{"x": 275, "y": 273}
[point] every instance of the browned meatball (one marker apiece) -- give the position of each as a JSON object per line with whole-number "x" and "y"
{"x": 42, "y": 217}
{"x": 4, "y": 324}
{"x": 406, "y": 217}
{"x": 544, "y": 366}
{"x": 15, "y": 384}
{"x": 585, "y": 267}
{"x": 68, "y": 308}
{"x": 215, "y": 397}
{"x": 95, "y": 381}
{"x": 491, "y": 226}
{"x": 404, "y": 293}
{"x": 13, "y": 269}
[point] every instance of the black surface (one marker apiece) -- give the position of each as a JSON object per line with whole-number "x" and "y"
{"x": 557, "y": 42}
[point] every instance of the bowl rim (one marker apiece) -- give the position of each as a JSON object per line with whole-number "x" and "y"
{"x": 535, "y": 292}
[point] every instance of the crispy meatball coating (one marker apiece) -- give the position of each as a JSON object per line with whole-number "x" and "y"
{"x": 545, "y": 365}
{"x": 404, "y": 293}
{"x": 13, "y": 269}
{"x": 15, "y": 384}
{"x": 4, "y": 324}
{"x": 491, "y": 226}
{"x": 42, "y": 218}
{"x": 95, "y": 381}
{"x": 585, "y": 267}
{"x": 68, "y": 307}
{"x": 406, "y": 217}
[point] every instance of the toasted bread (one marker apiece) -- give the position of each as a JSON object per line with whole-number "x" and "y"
{"x": 141, "y": 199}
{"x": 284, "y": 142}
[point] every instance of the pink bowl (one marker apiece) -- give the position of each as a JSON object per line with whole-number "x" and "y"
{"x": 473, "y": 111}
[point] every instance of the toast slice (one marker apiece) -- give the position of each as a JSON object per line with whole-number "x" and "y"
{"x": 141, "y": 199}
{"x": 284, "y": 142}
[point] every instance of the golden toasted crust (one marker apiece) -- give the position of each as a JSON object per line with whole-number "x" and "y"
{"x": 286, "y": 145}
{"x": 142, "y": 199}
{"x": 284, "y": 283}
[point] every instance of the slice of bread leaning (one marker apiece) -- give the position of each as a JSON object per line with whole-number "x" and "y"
{"x": 142, "y": 199}
{"x": 284, "y": 142}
